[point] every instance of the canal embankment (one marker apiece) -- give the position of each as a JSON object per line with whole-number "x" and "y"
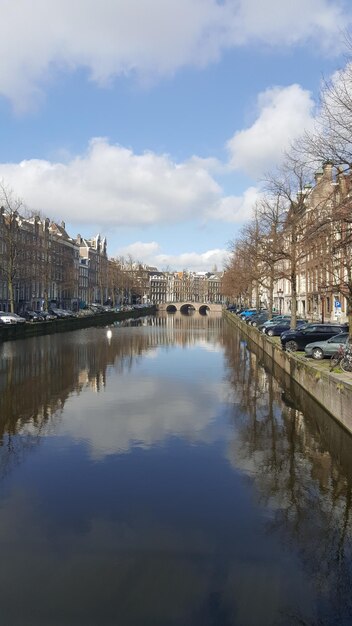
{"x": 331, "y": 390}
{"x": 32, "y": 329}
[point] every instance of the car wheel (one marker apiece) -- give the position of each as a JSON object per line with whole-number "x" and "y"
{"x": 270, "y": 332}
{"x": 291, "y": 346}
{"x": 317, "y": 353}
{"x": 254, "y": 323}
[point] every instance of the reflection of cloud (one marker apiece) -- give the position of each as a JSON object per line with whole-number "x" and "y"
{"x": 140, "y": 412}
{"x": 151, "y": 354}
{"x": 214, "y": 346}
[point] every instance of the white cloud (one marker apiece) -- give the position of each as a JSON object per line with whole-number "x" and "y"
{"x": 284, "y": 113}
{"x": 109, "y": 185}
{"x": 151, "y": 254}
{"x": 236, "y": 209}
{"x": 147, "y": 38}
{"x": 280, "y": 22}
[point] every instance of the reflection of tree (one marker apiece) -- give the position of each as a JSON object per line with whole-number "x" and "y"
{"x": 303, "y": 475}
{"x": 38, "y": 375}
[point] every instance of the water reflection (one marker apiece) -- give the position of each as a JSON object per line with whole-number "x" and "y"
{"x": 301, "y": 464}
{"x": 38, "y": 376}
{"x": 177, "y": 482}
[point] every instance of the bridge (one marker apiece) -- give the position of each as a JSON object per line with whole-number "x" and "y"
{"x": 185, "y": 307}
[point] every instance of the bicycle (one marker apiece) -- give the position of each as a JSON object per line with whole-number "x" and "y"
{"x": 346, "y": 361}
{"x": 337, "y": 357}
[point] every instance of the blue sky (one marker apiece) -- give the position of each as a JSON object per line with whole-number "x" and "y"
{"x": 153, "y": 121}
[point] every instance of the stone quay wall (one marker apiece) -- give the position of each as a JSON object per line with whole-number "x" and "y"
{"x": 31, "y": 329}
{"x": 332, "y": 391}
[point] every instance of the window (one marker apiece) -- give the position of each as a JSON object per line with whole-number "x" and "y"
{"x": 339, "y": 338}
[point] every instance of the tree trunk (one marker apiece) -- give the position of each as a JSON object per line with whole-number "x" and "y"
{"x": 46, "y": 300}
{"x": 271, "y": 295}
{"x": 11, "y": 295}
{"x": 293, "y": 299}
{"x": 257, "y": 297}
{"x": 349, "y": 315}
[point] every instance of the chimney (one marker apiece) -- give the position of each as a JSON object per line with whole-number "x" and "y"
{"x": 327, "y": 169}
{"x": 341, "y": 179}
{"x": 318, "y": 175}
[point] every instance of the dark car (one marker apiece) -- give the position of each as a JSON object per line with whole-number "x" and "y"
{"x": 257, "y": 320}
{"x": 60, "y": 313}
{"x": 32, "y": 316}
{"x": 274, "y": 320}
{"x": 46, "y": 315}
{"x": 283, "y": 325}
{"x": 298, "y": 339}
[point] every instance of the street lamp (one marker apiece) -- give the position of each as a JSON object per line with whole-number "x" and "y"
{"x": 280, "y": 292}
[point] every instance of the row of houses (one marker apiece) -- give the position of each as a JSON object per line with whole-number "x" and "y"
{"x": 324, "y": 267}
{"x": 185, "y": 287}
{"x": 41, "y": 265}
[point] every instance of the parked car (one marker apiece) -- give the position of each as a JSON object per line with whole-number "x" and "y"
{"x": 300, "y": 337}
{"x": 257, "y": 320}
{"x": 274, "y": 320}
{"x": 247, "y": 313}
{"x": 33, "y": 316}
{"x": 275, "y": 330}
{"x": 97, "y": 308}
{"x": 251, "y": 313}
{"x": 46, "y": 315}
{"x": 320, "y": 349}
{"x": 60, "y": 313}
{"x": 11, "y": 318}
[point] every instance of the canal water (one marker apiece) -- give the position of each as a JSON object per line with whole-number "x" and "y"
{"x": 154, "y": 473}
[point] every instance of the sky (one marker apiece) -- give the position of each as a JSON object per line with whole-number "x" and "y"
{"x": 152, "y": 122}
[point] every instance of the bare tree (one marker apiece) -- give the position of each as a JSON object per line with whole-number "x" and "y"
{"x": 289, "y": 184}
{"x": 237, "y": 281}
{"x": 331, "y": 137}
{"x": 270, "y": 212}
{"x": 12, "y": 243}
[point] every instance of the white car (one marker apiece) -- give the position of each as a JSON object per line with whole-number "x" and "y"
{"x": 11, "y": 318}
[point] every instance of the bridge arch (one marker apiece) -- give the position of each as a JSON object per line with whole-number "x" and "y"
{"x": 187, "y": 307}
{"x": 178, "y": 306}
{"x": 204, "y": 309}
